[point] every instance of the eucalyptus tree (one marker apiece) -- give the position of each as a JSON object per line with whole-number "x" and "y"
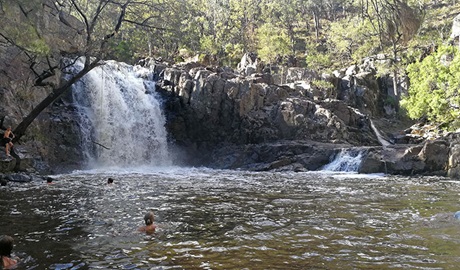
{"x": 166, "y": 31}
{"x": 224, "y": 29}
{"x": 274, "y": 42}
{"x": 245, "y": 17}
{"x": 395, "y": 23}
{"x": 315, "y": 7}
{"x": 216, "y": 15}
{"x": 350, "y": 40}
{"x": 282, "y": 16}
{"x": 97, "y": 22}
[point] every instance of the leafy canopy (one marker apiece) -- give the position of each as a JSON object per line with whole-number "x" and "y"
{"x": 435, "y": 87}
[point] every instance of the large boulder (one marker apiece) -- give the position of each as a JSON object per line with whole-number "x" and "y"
{"x": 249, "y": 64}
{"x": 430, "y": 157}
{"x": 453, "y": 166}
{"x": 435, "y": 155}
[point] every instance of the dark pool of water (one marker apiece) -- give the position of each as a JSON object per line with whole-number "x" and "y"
{"x": 234, "y": 220}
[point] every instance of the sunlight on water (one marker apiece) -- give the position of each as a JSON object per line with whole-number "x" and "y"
{"x": 217, "y": 219}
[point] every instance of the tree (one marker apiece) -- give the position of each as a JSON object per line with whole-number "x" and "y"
{"x": 395, "y": 23}
{"x": 274, "y": 42}
{"x": 350, "y": 40}
{"x": 434, "y": 90}
{"x": 98, "y": 22}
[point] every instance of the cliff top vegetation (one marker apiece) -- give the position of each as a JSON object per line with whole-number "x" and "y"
{"x": 320, "y": 35}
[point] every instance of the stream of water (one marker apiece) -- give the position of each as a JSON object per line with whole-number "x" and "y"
{"x": 212, "y": 219}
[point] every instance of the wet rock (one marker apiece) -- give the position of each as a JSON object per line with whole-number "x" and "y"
{"x": 19, "y": 177}
{"x": 372, "y": 162}
{"x": 453, "y": 167}
{"x": 7, "y": 164}
{"x": 435, "y": 155}
{"x": 282, "y": 155}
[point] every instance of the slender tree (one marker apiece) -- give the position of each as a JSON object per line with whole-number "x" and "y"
{"x": 96, "y": 21}
{"x": 395, "y": 23}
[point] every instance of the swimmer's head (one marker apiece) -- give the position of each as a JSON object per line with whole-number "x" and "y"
{"x": 148, "y": 218}
{"x": 110, "y": 181}
{"x": 6, "y": 245}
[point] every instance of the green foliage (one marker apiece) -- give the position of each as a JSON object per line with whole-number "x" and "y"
{"x": 208, "y": 45}
{"x": 122, "y": 50}
{"x": 322, "y": 84}
{"x": 435, "y": 85}
{"x": 318, "y": 59}
{"x": 21, "y": 30}
{"x": 391, "y": 101}
{"x": 234, "y": 53}
{"x": 351, "y": 40}
{"x": 273, "y": 42}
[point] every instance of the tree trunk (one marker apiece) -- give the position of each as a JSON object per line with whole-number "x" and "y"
{"x": 317, "y": 24}
{"x": 20, "y": 130}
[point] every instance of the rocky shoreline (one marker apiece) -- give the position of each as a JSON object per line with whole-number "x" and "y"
{"x": 227, "y": 119}
{"x": 243, "y": 120}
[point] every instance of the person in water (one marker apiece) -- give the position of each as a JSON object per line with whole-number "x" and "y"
{"x": 6, "y": 246}
{"x": 109, "y": 181}
{"x": 149, "y": 226}
{"x": 7, "y": 139}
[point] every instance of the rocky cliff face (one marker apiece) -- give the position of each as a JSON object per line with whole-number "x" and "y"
{"x": 229, "y": 119}
{"x": 50, "y": 141}
{"x": 212, "y": 108}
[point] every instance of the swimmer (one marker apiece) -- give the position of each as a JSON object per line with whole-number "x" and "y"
{"x": 149, "y": 226}
{"x": 109, "y": 181}
{"x": 6, "y": 246}
{"x": 49, "y": 180}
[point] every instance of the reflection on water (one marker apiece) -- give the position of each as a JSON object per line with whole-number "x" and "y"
{"x": 212, "y": 219}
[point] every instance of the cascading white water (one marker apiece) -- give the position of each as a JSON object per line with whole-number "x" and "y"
{"x": 348, "y": 160}
{"x": 121, "y": 121}
{"x": 382, "y": 140}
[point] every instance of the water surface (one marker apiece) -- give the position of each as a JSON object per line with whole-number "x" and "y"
{"x": 213, "y": 219}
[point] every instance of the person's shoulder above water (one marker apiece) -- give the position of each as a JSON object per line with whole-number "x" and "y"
{"x": 149, "y": 227}
{"x": 8, "y": 263}
{"x": 6, "y": 246}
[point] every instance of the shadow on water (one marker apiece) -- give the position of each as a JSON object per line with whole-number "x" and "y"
{"x": 233, "y": 220}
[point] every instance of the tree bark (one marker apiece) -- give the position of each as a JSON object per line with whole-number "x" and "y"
{"x": 20, "y": 130}
{"x": 317, "y": 25}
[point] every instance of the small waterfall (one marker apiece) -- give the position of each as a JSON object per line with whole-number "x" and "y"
{"x": 347, "y": 160}
{"x": 121, "y": 119}
{"x": 382, "y": 140}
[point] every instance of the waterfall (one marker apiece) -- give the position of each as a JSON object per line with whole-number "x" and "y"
{"x": 347, "y": 160}
{"x": 382, "y": 140}
{"x": 121, "y": 120}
